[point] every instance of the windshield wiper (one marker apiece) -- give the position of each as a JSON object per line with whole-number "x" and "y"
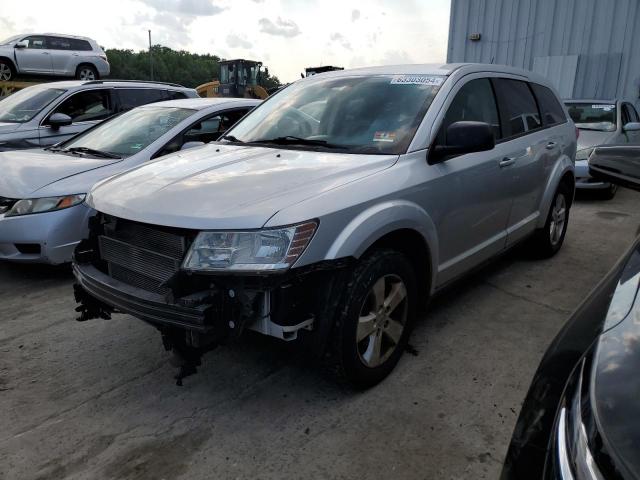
{"x": 231, "y": 138}
{"x": 291, "y": 140}
{"x": 91, "y": 151}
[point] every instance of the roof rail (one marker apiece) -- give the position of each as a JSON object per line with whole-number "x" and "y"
{"x": 93, "y": 82}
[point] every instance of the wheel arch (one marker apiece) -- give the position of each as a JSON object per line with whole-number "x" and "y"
{"x": 11, "y": 63}
{"x": 563, "y": 172}
{"x": 87, "y": 64}
{"x": 400, "y": 225}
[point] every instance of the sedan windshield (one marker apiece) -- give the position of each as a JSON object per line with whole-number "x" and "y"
{"x": 128, "y": 133}
{"x": 22, "y": 106}
{"x": 355, "y": 114}
{"x": 593, "y": 116}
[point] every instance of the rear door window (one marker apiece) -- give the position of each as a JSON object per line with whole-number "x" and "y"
{"x": 134, "y": 97}
{"x": 475, "y": 101}
{"x": 552, "y": 112}
{"x": 87, "y": 106}
{"x": 518, "y": 107}
{"x": 174, "y": 95}
{"x": 59, "y": 43}
{"x": 629, "y": 114}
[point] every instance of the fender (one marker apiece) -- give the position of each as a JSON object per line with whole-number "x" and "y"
{"x": 562, "y": 166}
{"x": 380, "y": 219}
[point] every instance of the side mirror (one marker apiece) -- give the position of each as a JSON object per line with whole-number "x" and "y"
{"x": 21, "y": 44}
{"x": 188, "y": 145}
{"x": 465, "y": 137}
{"x": 619, "y": 165}
{"x": 58, "y": 120}
{"x": 631, "y": 127}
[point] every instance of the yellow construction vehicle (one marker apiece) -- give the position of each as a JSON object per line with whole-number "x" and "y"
{"x": 238, "y": 79}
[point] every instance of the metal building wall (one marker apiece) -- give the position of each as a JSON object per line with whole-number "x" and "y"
{"x": 588, "y": 48}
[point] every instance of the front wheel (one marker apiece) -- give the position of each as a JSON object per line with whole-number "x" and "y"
{"x": 6, "y": 71}
{"x": 547, "y": 241}
{"x": 610, "y": 191}
{"x": 86, "y": 72}
{"x": 372, "y": 327}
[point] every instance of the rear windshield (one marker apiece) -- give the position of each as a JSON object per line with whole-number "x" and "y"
{"x": 130, "y": 132}
{"x": 22, "y": 106}
{"x": 355, "y": 114}
{"x": 593, "y": 116}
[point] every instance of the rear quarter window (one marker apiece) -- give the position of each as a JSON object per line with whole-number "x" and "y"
{"x": 550, "y": 108}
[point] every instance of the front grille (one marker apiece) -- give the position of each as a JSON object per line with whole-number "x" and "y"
{"x": 142, "y": 255}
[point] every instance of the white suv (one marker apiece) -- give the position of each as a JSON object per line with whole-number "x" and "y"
{"x": 52, "y": 54}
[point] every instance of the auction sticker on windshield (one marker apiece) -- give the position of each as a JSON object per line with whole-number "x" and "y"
{"x": 603, "y": 107}
{"x": 434, "y": 80}
{"x": 384, "y": 136}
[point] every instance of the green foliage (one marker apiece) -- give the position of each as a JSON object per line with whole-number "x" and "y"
{"x": 185, "y": 68}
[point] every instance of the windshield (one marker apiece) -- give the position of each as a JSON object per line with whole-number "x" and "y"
{"x": 356, "y": 114}
{"x": 130, "y": 132}
{"x": 22, "y": 106}
{"x": 593, "y": 116}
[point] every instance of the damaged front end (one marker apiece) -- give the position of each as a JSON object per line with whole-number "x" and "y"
{"x": 135, "y": 268}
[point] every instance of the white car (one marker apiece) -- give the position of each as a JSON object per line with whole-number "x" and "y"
{"x": 42, "y": 210}
{"x": 52, "y": 54}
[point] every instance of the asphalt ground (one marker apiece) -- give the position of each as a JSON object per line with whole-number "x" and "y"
{"x": 96, "y": 400}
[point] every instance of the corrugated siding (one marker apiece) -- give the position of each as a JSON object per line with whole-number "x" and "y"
{"x": 600, "y": 33}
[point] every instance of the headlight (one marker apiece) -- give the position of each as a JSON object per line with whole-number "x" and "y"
{"x": 584, "y": 153}
{"x": 40, "y": 205}
{"x": 269, "y": 249}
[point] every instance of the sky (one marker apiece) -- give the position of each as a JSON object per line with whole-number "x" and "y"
{"x": 286, "y": 35}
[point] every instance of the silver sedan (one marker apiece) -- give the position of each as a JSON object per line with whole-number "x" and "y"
{"x": 43, "y": 215}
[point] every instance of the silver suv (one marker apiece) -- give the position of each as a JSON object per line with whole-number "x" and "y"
{"x": 49, "y": 113}
{"x": 333, "y": 211}
{"x": 52, "y": 55}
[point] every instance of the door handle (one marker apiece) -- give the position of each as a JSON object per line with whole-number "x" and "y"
{"x": 45, "y": 53}
{"x": 551, "y": 145}
{"x": 506, "y": 161}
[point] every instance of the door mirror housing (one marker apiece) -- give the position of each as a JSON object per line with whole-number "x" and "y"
{"x": 464, "y": 137}
{"x": 21, "y": 44}
{"x": 58, "y": 120}
{"x": 616, "y": 164}
{"x": 631, "y": 127}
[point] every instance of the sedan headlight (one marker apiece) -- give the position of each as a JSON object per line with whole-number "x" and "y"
{"x": 268, "y": 249}
{"x": 584, "y": 153}
{"x": 41, "y": 205}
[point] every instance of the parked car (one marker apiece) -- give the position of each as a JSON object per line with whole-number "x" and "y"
{"x": 52, "y": 54}
{"x": 601, "y": 122}
{"x": 49, "y": 113}
{"x": 42, "y": 211}
{"x": 333, "y": 227}
{"x": 581, "y": 416}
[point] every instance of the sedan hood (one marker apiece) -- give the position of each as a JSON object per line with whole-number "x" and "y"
{"x": 24, "y": 172}
{"x": 593, "y": 138}
{"x": 227, "y": 186}
{"x": 7, "y": 127}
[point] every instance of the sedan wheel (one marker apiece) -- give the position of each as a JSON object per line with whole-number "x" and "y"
{"x": 382, "y": 320}
{"x": 5, "y": 72}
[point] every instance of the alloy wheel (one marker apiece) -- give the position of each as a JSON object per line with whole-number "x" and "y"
{"x": 5, "y": 72}
{"x": 87, "y": 74}
{"x": 382, "y": 320}
{"x": 558, "y": 219}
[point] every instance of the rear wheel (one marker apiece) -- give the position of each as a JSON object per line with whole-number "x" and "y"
{"x": 86, "y": 72}
{"x": 610, "y": 192}
{"x": 547, "y": 241}
{"x": 7, "y": 72}
{"x": 372, "y": 327}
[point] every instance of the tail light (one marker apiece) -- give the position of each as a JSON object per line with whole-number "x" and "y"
{"x": 104, "y": 57}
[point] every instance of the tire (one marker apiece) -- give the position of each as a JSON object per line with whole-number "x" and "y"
{"x": 7, "y": 72}
{"x": 546, "y": 241}
{"x": 86, "y": 72}
{"x": 610, "y": 192}
{"x": 383, "y": 276}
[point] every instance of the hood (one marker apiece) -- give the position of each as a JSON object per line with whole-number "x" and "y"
{"x": 8, "y": 127}
{"x": 24, "y": 172}
{"x": 227, "y": 186}
{"x": 593, "y": 138}
{"x": 616, "y": 383}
